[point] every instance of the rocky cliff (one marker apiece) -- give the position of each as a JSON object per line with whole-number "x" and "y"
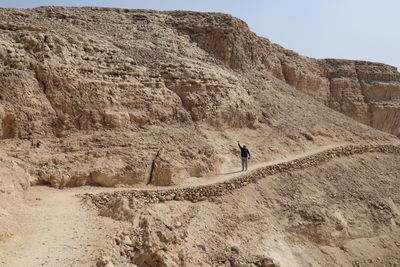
{"x": 116, "y": 96}
{"x": 368, "y": 92}
{"x": 365, "y": 91}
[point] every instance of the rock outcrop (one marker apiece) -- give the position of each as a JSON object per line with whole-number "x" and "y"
{"x": 368, "y": 92}
{"x": 365, "y": 91}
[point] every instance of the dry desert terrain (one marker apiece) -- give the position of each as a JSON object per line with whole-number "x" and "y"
{"x": 118, "y": 145}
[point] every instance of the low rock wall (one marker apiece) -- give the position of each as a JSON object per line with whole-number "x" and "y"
{"x": 205, "y": 192}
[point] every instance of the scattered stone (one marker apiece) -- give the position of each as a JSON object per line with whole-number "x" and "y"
{"x": 234, "y": 249}
{"x": 104, "y": 261}
{"x": 267, "y": 262}
{"x": 126, "y": 241}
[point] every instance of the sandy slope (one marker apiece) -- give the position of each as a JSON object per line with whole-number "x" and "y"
{"x": 338, "y": 208}
{"x": 58, "y": 231}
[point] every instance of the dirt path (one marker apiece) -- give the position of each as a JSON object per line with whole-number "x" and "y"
{"x": 207, "y": 188}
{"x": 55, "y": 230}
{"x": 195, "y": 181}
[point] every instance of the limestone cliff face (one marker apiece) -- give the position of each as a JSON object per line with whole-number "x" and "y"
{"x": 365, "y": 91}
{"x": 115, "y": 96}
{"x": 368, "y": 92}
{"x": 55, "y": 53}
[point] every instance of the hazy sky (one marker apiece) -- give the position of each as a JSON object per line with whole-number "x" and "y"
{"x": 352, "y": 29}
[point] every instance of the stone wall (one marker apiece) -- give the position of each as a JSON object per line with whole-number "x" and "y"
{"x": 210, "y": 191}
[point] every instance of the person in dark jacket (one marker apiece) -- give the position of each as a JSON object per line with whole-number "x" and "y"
{"x": 245, "y": 154}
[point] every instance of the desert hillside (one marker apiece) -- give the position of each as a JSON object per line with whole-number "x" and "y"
{"x": 128, "y": 95}
{"x": 139, "y": 98}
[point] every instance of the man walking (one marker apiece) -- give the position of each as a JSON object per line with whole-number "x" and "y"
{"x": 245, "y": 154}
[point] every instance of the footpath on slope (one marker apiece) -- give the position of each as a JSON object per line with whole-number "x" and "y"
{"x": 222, "y": 177}
{"x": 58, "y": 231}
{"x": 220, "y": 185}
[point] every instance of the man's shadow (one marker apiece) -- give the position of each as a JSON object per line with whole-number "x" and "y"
{"x": 227, "y": 173}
